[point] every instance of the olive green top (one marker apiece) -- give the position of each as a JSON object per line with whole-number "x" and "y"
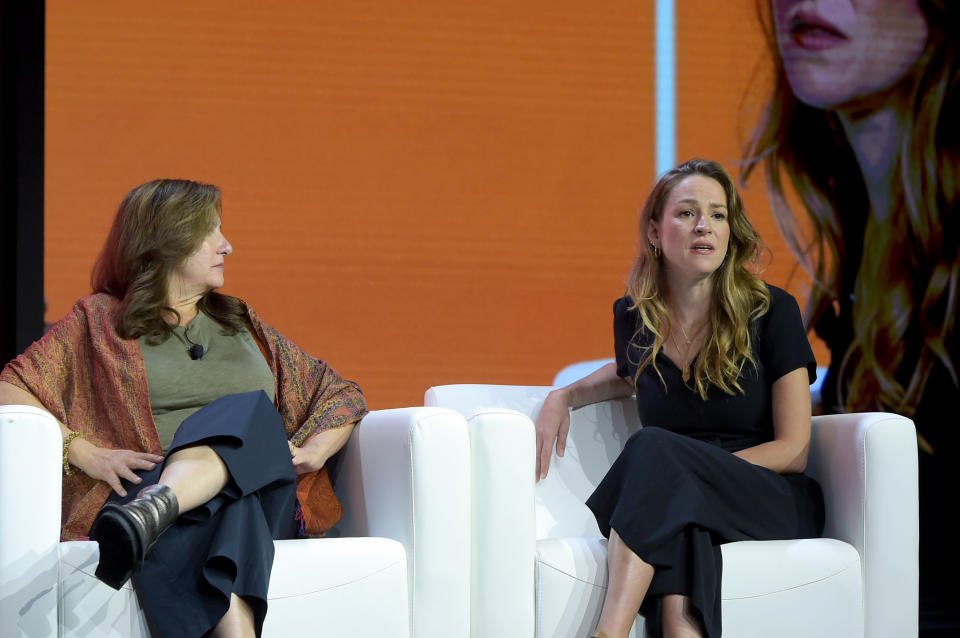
{"x": 180, "y": 385}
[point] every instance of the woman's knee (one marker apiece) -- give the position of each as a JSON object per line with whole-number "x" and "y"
{"x": 193, "y": 453}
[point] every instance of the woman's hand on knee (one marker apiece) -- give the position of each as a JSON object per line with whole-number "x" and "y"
{"x": 112, "y": 466}
{"x": 552, "y": 426}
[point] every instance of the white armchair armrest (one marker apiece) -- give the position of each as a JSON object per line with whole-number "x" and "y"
{"x": 29, "y": 521}
{"x": 866, "y": 464}
{"x": 406, "y": 475}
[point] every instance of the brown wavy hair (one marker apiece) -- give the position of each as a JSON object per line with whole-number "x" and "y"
{"x": 913, "y": 257}
{"x": 739, "y": 295}
{"x": 157, "y": 227}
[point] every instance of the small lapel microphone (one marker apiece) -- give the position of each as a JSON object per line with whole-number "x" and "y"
{"x": 197, "y": 351}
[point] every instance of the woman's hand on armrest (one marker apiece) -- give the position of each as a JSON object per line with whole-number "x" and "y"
{"x": 553, "y": 422}
{"x": 96, "y": 462}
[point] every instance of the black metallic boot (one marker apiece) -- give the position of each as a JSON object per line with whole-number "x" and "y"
{"x": 126, "y": 532}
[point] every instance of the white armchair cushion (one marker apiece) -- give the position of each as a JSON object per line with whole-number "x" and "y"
{"x": 811, "y": 586}
{"x": 342, "y": 586}
{"x": 821, "y": 573}
{"x": 319, "y": 579}
{"x": 571, "y": 581}
{"x": 87, "y": 606}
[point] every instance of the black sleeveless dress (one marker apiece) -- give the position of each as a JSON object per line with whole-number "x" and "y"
{"x": 676, "y": 492}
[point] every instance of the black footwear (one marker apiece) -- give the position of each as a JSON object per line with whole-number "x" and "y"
{"x": 126, "y": 532}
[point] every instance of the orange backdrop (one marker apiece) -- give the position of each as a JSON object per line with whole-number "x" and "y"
{"x": 419, "y": 193}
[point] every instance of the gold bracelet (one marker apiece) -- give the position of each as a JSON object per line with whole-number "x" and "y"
{"x": 66, "y": 448}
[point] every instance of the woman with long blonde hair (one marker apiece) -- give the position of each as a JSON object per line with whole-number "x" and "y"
{"x": 720, "y": 365}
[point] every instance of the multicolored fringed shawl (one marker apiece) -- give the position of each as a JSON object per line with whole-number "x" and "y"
{"x": 95, "y": 382}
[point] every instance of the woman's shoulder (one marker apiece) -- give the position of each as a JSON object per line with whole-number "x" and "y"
{"x": 233, "y": 314}
{"x": 781, "y": 301}
{"x": 625, "y": 315}
{"x": 783, "y": 311}
{"x": 88, "y": 322}
{"x": 254, "y": 320}
{"x": 623, "y": 305}
{"x": 231, "y": 299}
{"x": 627, "y": 325}
{"x": 98, "y": 300}
{"x": 260, "y": 329}
{"x": 779, "y": 295}
{"x": 239, "y": 300}
{"x": 94, "y": 309}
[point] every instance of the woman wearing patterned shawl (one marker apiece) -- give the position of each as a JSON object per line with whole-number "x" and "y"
{"x": 222, "y": 425}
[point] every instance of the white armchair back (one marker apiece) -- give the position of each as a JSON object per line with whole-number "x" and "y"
{"x": 597, "y": 434}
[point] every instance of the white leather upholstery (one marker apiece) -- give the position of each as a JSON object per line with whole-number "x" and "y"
{"x": 313, "y": 581}
{"x": 576, "y": 371}
{"x": 406, "y": 476}
{"x": 859, "y": 580}
{"x": 348, "y": 585}
{"x": 29, "y": 521}
{"x": 571, "y": 578}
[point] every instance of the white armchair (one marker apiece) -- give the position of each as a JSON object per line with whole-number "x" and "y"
{"x": 404, "y": 479}
{"x": 539, "y": 562}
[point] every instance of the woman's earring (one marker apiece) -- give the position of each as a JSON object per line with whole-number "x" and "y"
{"x": 656, "y": 251}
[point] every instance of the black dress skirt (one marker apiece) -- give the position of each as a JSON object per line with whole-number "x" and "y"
{"x": 225, "y": 546}
{"x": 673, "y": 500}
{"x": 677, "y": 491}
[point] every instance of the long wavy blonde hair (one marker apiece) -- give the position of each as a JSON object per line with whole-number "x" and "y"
{"x": 739, "y": 295}
{"x": 908, "y": 279}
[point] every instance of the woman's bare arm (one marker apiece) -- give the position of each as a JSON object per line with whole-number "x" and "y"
{"x": 96, "y": 462}
{"x": 788, "y": 450}
{"x": 553, "y": 422}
